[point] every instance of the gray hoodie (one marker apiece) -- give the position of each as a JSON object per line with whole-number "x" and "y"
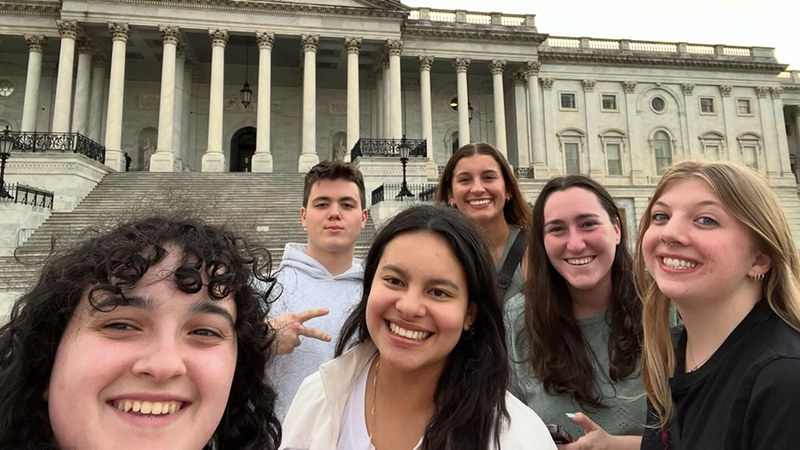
{"x": 304, "y": 283}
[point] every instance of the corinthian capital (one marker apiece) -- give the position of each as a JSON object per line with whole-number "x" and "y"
{"x": 169, "y": 35}
{"x": 520, "y": 77}
{"x": 36, "y": 43}
{"x": 425, "y": 62}
{"x": 310, "y": 42}
{"x": 265, "y": 40}
{"x": 588, "y": 84}
{"x": 497, "y": 66}
{"x": 687, "y": 88}
{"x": 533, "y": 67}
{"x": 394, "y": 47}
{"x": 352, "y": 44}
{"x": 547, "y": 83}
{"x": 629, "y": 86}
{"x": 776, "y": 91}
{"x": 84, "y": 44}
{"x": 725, "y": 90}
{"x": 762, "y": 91}
{"x": 119, "y": 31}
{"x": 219, "y": 38}
{"x": 461, "y": 64}
{"x": 67, "y": 28}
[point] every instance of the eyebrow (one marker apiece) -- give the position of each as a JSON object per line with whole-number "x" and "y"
{"x": 328, "y": 199}
{"x": 578, "y": 217}
{"x": 701, "y": 203}
{"x": 494, "y": 171}
{"x": 208, "y": 307}
{"x": 147, "y": 303}
{"x": 437, "y": 281}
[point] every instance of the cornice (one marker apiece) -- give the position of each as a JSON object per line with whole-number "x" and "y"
{"x": 468, "y": 32}
{"x": 550, "y": 55}
{"x": 31, "y": 9}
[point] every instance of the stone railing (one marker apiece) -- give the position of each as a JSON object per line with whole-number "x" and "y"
{"x": 632, "y": 46}
{"x": 473, "y": 18}
{"x": 790, "y": 77}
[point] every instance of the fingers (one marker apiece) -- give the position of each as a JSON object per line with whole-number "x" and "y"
{"x": 583, "y": 421}
{"x": 308, "y": 314}
{"x": 315, "y": 333}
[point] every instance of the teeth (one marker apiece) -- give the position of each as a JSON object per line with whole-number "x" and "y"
{"x": 678, "y": 263}
{"x": 149, "y": 408}
{"x": 479, "y": 202}
{"x": 580, "y": 261}
{"x": 415, "y": 335}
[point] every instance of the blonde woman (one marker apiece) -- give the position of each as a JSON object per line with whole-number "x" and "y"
{"x": 715, "y": 241}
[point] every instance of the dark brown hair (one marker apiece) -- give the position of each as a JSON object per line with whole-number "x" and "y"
{"x": 558, "y": 354}
{"x": 334, "y": 170}
{"x": 516, "y": 210}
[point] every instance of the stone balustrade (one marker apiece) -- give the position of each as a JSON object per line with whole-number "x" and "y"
{"x": 472, "y": 18}
{"x": 558, "y": 43}
{"x": 790, "y": 77}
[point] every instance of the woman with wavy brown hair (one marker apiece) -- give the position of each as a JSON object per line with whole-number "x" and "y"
{"x": 574, "y": 337}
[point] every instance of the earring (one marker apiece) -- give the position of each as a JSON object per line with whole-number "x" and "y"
{"x": 468, "y": 334}
{"x": 756, "y": 277}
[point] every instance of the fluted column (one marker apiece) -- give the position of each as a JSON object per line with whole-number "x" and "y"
{"x": 536, "y": 119}
{"x": 394, "y": 48}
{"x": 214, "y": 159}
{"x": 188, "y": 133}
{"x": 262, "y": 158}
{"x": 386, "y": 99}
{"x": 379, "y": 102}
{"x": 116, "y": 90}
{"x": 96, "y": 99}
{"x": 80, "y": 114}
{"x": 177, "y": 116}
{"x": 308, "y": 152}
{"x": 353, "y": 45}
{"x": 30, "y": 106}
{"x": 521, "y": 116}
{"x": 425, "y": 64}
{"x": 498, "y": 66}
{"x": 68, "y": 30}
{"x": 462, "y": 65}
{"x": 163, "y": 159}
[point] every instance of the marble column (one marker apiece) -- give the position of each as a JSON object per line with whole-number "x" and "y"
{"x": 262, "y": 158}
{"x": 214, "y": 159}
{"x": 394, "y": 48}
{"x": 379, "y": 102}
{"x": 353, "y": 46}
{"x": 521, "y": 117}
{"x": 535, "y": 117}
{"x": 163, "y": 160}
{"x": 96, "y": 99}
{"x": 30, "y": 106}
{"x": 308, "y": 151}
{"x": 386, "y": 100}
{"x": 497, "y": 67}
{"x": 180, "y": 94}
{"x": 426, "y": 112}
{"x": 462, "y": 65}
{"x": 186, "y": 123}
{"x": 68, "y": 30}
{"x": 116, "y": 91}
{"x": 80, "y": 114}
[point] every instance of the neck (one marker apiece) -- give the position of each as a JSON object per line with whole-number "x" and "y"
{"x": 588, "y": 303}
{"x": 496, "y": 233}
{"x": 405, "y": 393}
{"x": 336, "y": 263}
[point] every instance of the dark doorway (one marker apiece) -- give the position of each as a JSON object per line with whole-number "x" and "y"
{"x": 243, "y": 145}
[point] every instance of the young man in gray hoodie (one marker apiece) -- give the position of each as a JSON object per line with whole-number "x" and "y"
{"x": 319, "y": 280}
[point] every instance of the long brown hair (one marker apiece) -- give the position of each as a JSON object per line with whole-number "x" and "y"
{"x": 558, "y": 354}
{"x": 516, "y": 211}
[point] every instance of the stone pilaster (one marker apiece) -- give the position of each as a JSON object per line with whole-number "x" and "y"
{"x": 537, "y": 122}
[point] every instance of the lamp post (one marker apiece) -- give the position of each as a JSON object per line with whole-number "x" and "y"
{"x": 6, "y": 142}
{"x": 405, "y": 149}
{"x": 246, "y": 93}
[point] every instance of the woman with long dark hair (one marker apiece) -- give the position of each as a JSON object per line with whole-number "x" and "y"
{"x": 575, "y": 336}
{"x": 146, "y": 336}
{"x": 422, "y": 359}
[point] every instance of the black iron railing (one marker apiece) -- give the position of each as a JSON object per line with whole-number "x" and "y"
{"x": 389, "y": 191}
{"x": 388, "y": 147}
{"x": 428, "y": 195}
{"x": 523, "y": 172}
{"x": 26, "y": 195}
{"x": 59, "y": 142}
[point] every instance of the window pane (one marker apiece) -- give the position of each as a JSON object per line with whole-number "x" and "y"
{"x": 744, "y": 106}
{"x": 750, "y": 156}
{"x": 658, "y": 104}
{"x": 610, "y": 102}
{"x": 663, "y": 149}
{"x": 568, "y": 101}
{"x": 707, "y": 105}
{"x": 572, "y": 157}
{"x": 614, "y": 159}
{"x": 712, "y": 152}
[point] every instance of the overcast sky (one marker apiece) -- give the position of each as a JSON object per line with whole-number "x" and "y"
{"x": 766, "y": 23}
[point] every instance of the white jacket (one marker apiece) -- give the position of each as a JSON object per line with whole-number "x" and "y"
{"x": 314, "y": 418}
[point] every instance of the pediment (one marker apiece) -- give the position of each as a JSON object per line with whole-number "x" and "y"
{"x": 370, "y": 4}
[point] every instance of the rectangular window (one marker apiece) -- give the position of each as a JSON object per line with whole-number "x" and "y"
{"x": 750, "y": 155}
{"x": 568, "y": 101}
{"x": 707, "y": 105}
{"x": 573, "y": 158}
{"x": 744, "y": 107}
{"x": 712, "y": 152}
{"x": 663, "y": 156}
{"x": 609, "y": 102}
{"x": 614, "y": 157}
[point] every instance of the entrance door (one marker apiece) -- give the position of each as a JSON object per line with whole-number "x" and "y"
{"x": 243, "y": 146}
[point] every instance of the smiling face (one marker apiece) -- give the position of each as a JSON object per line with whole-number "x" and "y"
{"x": 478, "y": 189}
{"x": 333, "y": 216}
{"x": 694, "y": 249}
{"x": 155, "y": 374}
{"x": 418, "y": 304}
{"x": 580, "y": 239}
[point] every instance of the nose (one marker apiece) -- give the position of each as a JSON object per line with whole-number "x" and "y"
{"x": 575, "y": 242}
{"x": 477, "y": 187}
{"x": 410, "y": 305}
{"x": 334, "y": 213}
{"x": 161, "y": 358}
{"x": 673, "y": 232}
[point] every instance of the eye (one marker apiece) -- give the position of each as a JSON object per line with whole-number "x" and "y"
{"x": 463, "y": 180}
{"x": 589, "y": 224}
{"x": 348, "y": 206}
{"x": 206, "y": 332}
{"x": 392, "y": 281}
{"x": 660, "y": 217}
{"x": 119, "y": 326}
{"x": 555, "y": 230}
{"x": 321, "y": 205}
{"x": 707, "y": 221}
{"x": 439, "y": 293}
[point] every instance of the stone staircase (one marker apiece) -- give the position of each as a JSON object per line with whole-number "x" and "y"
{"x": 263, "y": 207}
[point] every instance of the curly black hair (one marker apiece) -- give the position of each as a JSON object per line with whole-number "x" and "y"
{"x": 108, "y": 266}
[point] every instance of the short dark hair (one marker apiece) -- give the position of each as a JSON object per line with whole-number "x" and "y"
{"x": 334, "y": 170}
{"x": 478, "y": 365}
{"x": 107, "y": 266}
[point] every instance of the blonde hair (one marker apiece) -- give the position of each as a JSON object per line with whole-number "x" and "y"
{"x": 747, "y": 196}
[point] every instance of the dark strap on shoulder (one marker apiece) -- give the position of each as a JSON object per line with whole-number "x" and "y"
{"x": 513, "y": 259}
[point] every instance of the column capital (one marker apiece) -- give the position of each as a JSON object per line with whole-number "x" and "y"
{"x": 461, "y": 64}
{"x": 84, "y": 44}
{"x": 310, "y": 42}
{"x": 532, "y": 68}
{"x": 547, "y": 83}
{"x": 394, "y": 47}
{"x": 36, "y": 43}
{"x": 425, "y": 62}
{"x": 519, "y": 78}
{"x": 588, "y": 84}
{"x": 180, "y": 50}
{"x": 265, "y": 40}
{"x": 629, "y": 86}
{"x": 218, "y": 37}
{"x": 776, "y": 91}
{"x": 100, "y": 61}
{"x": 169, "y": 35}
{"x": 687, "y": 88}
{"x": 119, "y": 31}
{"x": 725, "y": 90}
{"x": 352, "y": 44}
{"x": 67, "y": 28}
{"x": 762, "y": 91}
{"x": 497, "y": 66}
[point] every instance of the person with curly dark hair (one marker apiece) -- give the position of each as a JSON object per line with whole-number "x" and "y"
{"x": 146, "y": 336}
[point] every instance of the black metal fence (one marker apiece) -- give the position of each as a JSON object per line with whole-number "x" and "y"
{"x": 429, "y": 194}
{"x": 58, "y": 142}
{"x": 389, "y": 191}
{"x": 523, "y": 172}
{"x": 26, "y": 195}
{"x": 388, "y": 147}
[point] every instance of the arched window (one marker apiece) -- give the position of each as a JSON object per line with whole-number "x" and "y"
{"x": 662, "y": 148}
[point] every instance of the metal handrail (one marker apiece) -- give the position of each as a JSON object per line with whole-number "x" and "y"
{"x": 388, "y": 147}
{"x": 26, "y": 195}
{"x": 60, "y": 142}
